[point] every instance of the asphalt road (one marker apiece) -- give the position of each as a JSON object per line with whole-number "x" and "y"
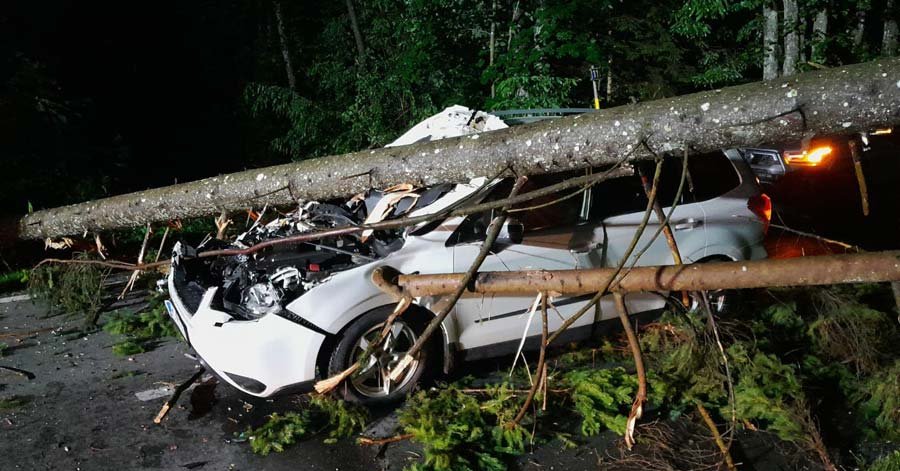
{"x": 82, "y": 412}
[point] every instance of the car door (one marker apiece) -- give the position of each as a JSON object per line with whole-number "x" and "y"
{"x": 486, "y": 322}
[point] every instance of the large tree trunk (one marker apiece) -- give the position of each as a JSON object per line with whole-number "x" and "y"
{"x": 801, "y": 271}
{"x": 819, "y": 35}
{"x": 847, "y": 99}
{"x": 285, "y": 53}
{"x": 889, "y": 38}
{"x": 357, "y": 35}
{"x": 791, "y": 38}
{"x": 770, "y": 42}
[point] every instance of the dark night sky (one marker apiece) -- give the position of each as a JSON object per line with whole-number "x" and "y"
{"x": 162, "y": 81}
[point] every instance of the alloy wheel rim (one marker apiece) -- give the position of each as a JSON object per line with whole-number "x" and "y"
{"x": 373, "y": 378}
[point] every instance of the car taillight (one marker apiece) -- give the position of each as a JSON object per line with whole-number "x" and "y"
{"x": 808, "y": 158}
{"x": 761, "y": 206}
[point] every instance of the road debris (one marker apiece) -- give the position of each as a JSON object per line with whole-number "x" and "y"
{"x": 176, "y": 394}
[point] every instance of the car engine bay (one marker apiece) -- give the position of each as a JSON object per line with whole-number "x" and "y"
{"x": 265, "y": 282}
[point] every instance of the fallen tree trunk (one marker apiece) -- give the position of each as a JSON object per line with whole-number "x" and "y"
{"x": 847, "y": 99}
{"x": 802, "y": 271}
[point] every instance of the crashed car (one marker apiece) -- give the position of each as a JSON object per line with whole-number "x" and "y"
{"x": 281, "y": 318}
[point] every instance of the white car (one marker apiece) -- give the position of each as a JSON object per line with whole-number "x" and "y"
{"x": 280, "y": 319}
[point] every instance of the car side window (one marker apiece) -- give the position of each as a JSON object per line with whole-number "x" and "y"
{"x": 712, "y": 175}
{"x": 616, "y": 197}
{"x": 535, "y": 217}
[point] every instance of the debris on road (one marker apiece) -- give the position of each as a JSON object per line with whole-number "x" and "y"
{"x": 176, "y": 394}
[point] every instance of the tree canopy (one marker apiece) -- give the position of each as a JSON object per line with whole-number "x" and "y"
{"x": 183, "y": 90}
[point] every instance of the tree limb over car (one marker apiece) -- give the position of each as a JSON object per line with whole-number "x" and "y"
{"x": 842, "y": 100}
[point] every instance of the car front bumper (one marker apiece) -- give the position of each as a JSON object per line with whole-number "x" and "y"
{"x": 260, "y": 357}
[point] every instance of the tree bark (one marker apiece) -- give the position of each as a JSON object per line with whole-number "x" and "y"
{"x": 889, "y": 38}
{"x": 741, "y": 116}
{"x": 867, "y": 267}
{"x": 860, "y": 30}
{"x": 770, "y": 42}
{"x": 285, "y": 53}
{"x": 492, "y": 43}
{"x": 357, "y": 35}
{"x": 819, "y": 36}
{"x": 801, "y": 39}
{"x": 791, "y": 38}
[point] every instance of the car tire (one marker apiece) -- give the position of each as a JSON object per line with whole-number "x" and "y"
{"x": 367, "y": 385}
{"x": 721, "y": 301}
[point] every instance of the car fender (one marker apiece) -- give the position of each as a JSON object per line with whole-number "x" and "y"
{"x": 334, "y": 304}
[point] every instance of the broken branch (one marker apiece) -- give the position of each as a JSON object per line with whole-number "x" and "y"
{"x": 490, "y": 237}
{"x": 176, "y": 394}
{"x": 638, "y": 407}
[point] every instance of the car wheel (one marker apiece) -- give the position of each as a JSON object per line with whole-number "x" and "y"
{"x": 720, "y": 301}
{"x": 371, "y": 384}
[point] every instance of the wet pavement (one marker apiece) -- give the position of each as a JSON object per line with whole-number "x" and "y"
{"x": 81, "y": 412}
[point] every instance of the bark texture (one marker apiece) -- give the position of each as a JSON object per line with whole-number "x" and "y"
{"x": 791, "y": 38}
{"x": 889, "y": 37}
{"x": 803, "y": 271}
{"x": 770, "y": 42}
{"x": 860, "y": 28}
{"x": 819, "y": 34}
{"x": 285, "y": 52}
{"x": 841, "y": 100}
{"x": 357, "y": 35}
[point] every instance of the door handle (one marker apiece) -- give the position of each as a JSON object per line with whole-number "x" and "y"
{"x": 686, "y": 224}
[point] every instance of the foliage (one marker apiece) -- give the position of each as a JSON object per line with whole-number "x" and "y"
{"x": 141, "y": 330}
{"x": 459, "y": 432}
{"x": 889, "y": 462}
{"x": 13, "y": 403}
{"x": 280, "y": 431}
{"x": 340, "y": 418}
{"x": 3, "y": 348}
{"x": 602, "y": 398}
{"x": 13, "y": 280}
{"x": 879, "y": 398}
{"x": 684, "y": 367}
{"x": 74, "y": 288}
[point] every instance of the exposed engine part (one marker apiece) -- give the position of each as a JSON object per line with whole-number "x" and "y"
{"x": 267, "y": 281}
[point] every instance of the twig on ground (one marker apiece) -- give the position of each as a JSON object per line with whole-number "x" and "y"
{"x": 383, "y": 441}
{"x": 729, "y": 462}
{"x": 728, "y": 380}
{"x": 23, "y": 373}
{"x": 638, "y": 407}
{"x": 176, "y": 394}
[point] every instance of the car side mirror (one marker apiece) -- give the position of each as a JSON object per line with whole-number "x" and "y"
{"x": 512, "y": 232}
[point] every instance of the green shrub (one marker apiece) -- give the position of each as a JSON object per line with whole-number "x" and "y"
{"x": 13, "y": 403}
{"x": 602, "y": 398}
{"x": 280, "y": 431}
{"x": 889, "y": 462}
{"x": 461, "y": 432}
{"x": 76, "y": 288}
{"x": 142, "y": 329}
{"x": 14, "y": 280}
{"x": 879, "y": 397}
{"x": 339, "y": 418}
